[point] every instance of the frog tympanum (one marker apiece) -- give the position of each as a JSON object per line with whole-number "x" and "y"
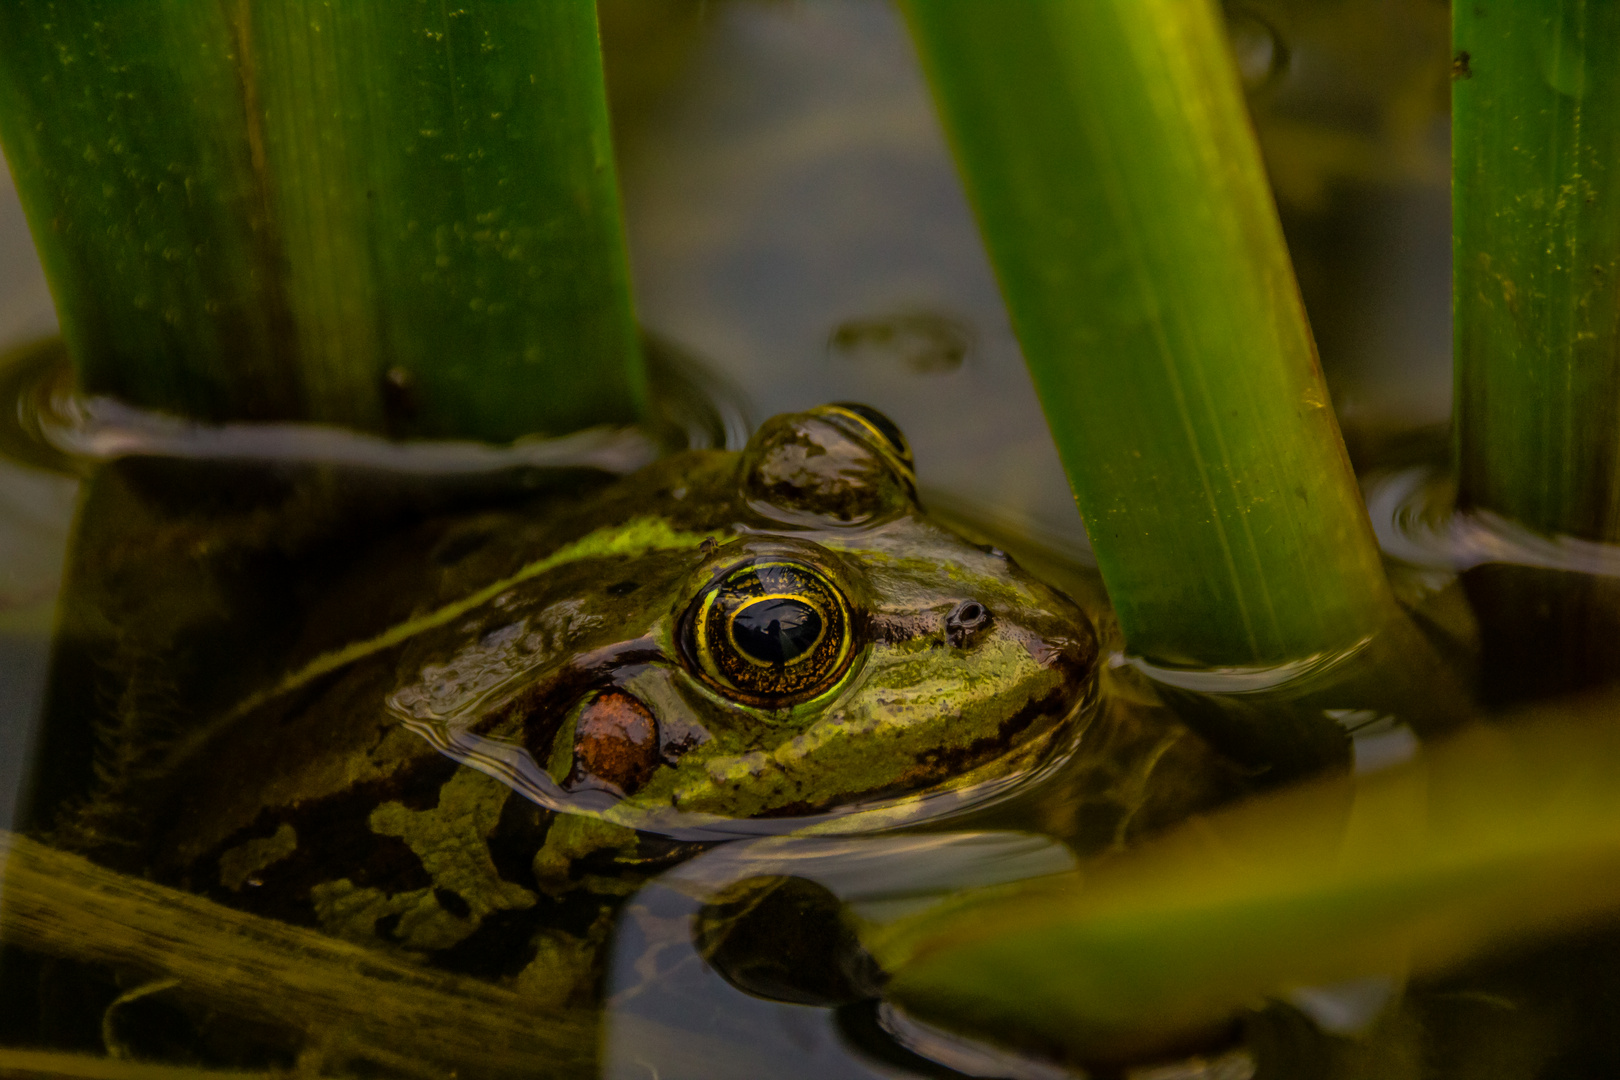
{"x": 566, "y": 698}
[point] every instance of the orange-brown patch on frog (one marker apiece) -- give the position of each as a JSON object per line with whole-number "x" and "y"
{"x": 615, "y": 744}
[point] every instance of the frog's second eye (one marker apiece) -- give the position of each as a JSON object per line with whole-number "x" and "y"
{"x": 879, "y": 425}
{"x": 771, "y": 633}
{"x": 840, "y": 464}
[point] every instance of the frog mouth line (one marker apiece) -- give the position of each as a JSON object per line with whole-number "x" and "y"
{"x": 514, "y": 766}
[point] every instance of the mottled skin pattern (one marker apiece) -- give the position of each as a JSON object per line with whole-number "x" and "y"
{"x": 564, "y": 630}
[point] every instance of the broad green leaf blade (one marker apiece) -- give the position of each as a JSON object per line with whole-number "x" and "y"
{"x": 1106, "y": 149}
{"x": 393, "y": 214}
{"x": 1496, "y": 837}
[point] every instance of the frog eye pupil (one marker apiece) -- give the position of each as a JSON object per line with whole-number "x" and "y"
{"x": 776, "y": 630}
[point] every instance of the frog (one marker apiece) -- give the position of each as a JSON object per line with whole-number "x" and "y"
{"x": 559, "y": 700}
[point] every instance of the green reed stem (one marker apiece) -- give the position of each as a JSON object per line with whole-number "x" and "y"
{"x": 1536, "y": 213}
{"x": 392, "y": 214}
{"x": 1536, "y": 267}
{"x": 1107, "y": 151}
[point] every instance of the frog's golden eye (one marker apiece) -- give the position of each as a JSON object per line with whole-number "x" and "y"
{"x": 845, "y": 464}
{"x": 771, "y": 633}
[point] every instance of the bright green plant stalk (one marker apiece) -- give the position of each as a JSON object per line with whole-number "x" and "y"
{"x": 392, "y": 214}
{"x": 1500, "y": 837}
{"x": 1108, "y": 154}
{"x": 1536, "y": 250}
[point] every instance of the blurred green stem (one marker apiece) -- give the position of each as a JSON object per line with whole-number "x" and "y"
{"x": 1107, "y": 151}
{"x": 1499, "y": 837}
{"x": 391, "y": 214}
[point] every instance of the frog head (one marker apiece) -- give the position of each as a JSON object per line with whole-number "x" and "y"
{"x": 799, "y": 643}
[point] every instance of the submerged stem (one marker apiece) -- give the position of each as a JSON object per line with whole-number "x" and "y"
{"x": 376, "y": 1008}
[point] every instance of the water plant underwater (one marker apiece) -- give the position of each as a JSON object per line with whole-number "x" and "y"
{"x": 1107, "y": 153}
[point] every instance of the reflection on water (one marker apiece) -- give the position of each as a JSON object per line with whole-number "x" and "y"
{"x": 1414, "y": 514}
{"x": 36, "y": 509}
{"x": 51, "y": 425}
{"x": 921, "y": 343}
{"x": 36, "y": 512}
{"x": 26, "y": 311}
{"x": 669, "y": 1004}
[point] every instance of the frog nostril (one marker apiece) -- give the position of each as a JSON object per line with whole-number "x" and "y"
{"x": 969, "y": 617}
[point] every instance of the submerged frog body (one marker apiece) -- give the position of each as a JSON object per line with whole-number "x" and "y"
{"x": 565, "y": 699}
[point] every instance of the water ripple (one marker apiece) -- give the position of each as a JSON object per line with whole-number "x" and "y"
{"x": 1415, "y": 517}
{"x": 52, "y": 425}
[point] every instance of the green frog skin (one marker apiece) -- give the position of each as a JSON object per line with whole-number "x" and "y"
{"x": 564, "y": 699}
